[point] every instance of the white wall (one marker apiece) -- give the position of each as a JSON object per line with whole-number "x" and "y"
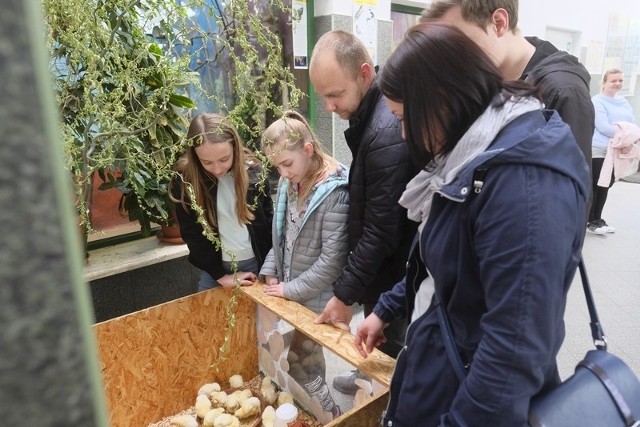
{"x": 332, "y": 7}
{"x": 591, "y": 18}
{"x": 345, "y": 7}
{"x": 588, "y": 18}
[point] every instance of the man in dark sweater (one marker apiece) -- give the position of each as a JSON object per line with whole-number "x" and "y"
{"x": 380, "y": 234}
{"x": 563, "y": 81}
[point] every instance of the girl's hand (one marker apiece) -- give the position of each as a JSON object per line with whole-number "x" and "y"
{"x": 276, "y": 290}
{"x": 270, "y": 280}
{"x": 244, "y": 278}
{"x": 370, "y": 334}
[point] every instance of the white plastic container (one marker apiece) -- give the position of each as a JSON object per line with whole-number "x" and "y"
{"x": 286, "y": 415}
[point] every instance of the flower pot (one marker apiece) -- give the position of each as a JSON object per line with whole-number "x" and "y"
{"x": 170, "y": 233}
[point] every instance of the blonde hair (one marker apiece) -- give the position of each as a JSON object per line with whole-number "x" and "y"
{"x": 610, "y": 71}
{"x": 291, "y": 132}
{"x": 209, "y": 128}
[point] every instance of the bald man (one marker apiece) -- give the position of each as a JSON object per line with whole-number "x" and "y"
{"x": 343, "y": 75}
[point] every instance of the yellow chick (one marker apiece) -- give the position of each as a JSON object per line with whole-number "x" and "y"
{"x": 284, "y": 397}
{"x": 244, "y": 395}
{"x": 233, "y": 403}
{"x": 209, "y": 388}
{"x": 184, "y": 421}
{"x": 203, "y": 405}
{"x": 268, "y": 390}
{"x": 226, "y": 420}
{"x": 268, "y": 416}
{"x": 248, "y": 408}
{"x": 236, "y": 381}
{"x": 211, "y": 416}
{"x": 218, "y": 399}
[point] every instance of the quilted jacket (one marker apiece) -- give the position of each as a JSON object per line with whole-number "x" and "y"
{"x": 319, "y": 250}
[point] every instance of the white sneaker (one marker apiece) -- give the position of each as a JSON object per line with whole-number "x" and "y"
{"x": 594, "y": 227}
{"x": 604, "y": 224}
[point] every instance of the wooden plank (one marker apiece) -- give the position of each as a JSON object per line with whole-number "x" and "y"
{"x": 154, "y": 361}
{"x": 377, "y": 365}
{"x": 366, "y": 415}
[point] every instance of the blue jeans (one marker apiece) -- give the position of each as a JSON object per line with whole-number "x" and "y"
{"x": 208, "y": 282}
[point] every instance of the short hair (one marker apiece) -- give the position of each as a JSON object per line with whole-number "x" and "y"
{"x": 610, "y": 71}
{"x": 441, "y": 99}
{"x": 476, "y": 11}
{"x": 350, "y": 53}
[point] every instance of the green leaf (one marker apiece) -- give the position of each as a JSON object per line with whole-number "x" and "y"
{"x": 155, "y": 50}
{"x": 181, "y": 101}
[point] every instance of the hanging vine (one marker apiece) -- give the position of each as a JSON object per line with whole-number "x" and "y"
{"x": 125, "y": 80}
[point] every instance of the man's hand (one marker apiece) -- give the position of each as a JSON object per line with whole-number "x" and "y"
{"x": 244, "y": 278}
{"x": 336, "y": 313}
{"x": 370, "y": 333}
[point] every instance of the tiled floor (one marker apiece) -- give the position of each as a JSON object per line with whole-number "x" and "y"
{"x": 613, "y": 267}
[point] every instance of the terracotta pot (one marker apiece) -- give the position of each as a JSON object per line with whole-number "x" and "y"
{"x": 170, "y": 234}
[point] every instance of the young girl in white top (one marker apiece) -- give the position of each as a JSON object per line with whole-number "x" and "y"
{"x": 224, "y": 177}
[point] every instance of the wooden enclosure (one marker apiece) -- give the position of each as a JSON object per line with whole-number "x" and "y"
{"x": 153, "y": 361}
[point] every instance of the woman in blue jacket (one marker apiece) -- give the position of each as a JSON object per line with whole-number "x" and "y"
{"x": 497, "y": 201}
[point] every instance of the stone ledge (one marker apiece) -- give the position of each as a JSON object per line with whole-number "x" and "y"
{"x": 129, "y": 256}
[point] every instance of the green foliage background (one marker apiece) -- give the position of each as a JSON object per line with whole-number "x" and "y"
{"x": 124, "y": 98}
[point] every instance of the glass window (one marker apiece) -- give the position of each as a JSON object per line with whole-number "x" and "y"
{"x": 403, "y": 17}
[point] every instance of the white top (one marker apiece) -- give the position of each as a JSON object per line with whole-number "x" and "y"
{"x": 233, "y": 235}
{"x": 423, "y": 298}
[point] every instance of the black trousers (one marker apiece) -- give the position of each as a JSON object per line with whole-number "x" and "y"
{"x": 599, "y": 193}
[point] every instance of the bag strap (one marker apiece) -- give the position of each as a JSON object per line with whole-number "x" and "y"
{"x": 460, "y": 369}
{"x": 597, "y": 333}
{"x": 613, "y": 391}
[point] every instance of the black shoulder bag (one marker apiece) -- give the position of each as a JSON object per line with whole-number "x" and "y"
{"x": 603, "y": 391}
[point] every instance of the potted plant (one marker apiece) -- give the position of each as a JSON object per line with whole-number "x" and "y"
{"x": 122, "y": 103}
{"x": 122, "y": 70}
{"x": 126, "y": 72}
{"x": 146, "y": 162}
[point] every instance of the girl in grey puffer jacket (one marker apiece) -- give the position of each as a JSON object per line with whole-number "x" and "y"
{"x": 310, "y": 236}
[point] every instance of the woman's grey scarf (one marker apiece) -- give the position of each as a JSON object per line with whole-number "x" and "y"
{"x": 418, "y": 195}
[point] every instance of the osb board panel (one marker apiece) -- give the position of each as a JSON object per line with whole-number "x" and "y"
{"x": 367, "y": 415}
{"x": 153, "y": 361}
{"x": 377, "y": 365}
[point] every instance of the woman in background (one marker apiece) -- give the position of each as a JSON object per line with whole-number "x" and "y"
{"x": 609, "y": 109}
{"x": 225, "y": 178}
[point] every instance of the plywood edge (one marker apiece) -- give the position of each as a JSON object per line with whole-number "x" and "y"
{"x": 377, "y": 365}
{"x": 367, "y": 415}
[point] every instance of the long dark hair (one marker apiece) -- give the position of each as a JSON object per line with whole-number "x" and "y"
{"x": 445, "y": 82}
